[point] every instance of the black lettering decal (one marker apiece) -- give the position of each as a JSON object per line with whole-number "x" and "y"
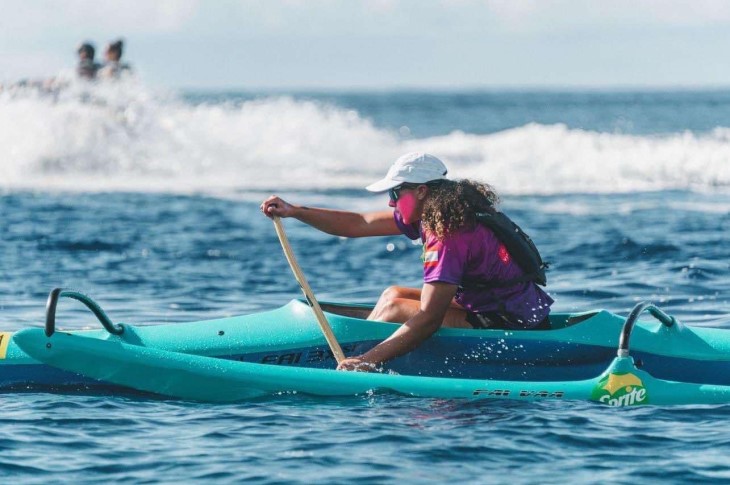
{"x": 315, "y": 356}
{"x": 270, "y": 359}
{"x": 494, "y": 392}
{"x": 289, "y": 359}
{"x": 544, "y": 394}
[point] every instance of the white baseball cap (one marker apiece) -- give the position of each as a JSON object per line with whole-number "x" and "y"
{"x": 412, "y": 168}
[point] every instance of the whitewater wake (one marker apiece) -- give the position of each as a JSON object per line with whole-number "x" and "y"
{"x": 127, "y": 137}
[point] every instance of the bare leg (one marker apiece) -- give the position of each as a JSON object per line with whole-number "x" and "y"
{"x": 397, "y": 304}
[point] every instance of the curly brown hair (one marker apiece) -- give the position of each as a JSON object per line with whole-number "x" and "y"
{"x": 453, "y": 204}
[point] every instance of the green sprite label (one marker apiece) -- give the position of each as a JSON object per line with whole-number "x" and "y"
{"x": 620, "y": 390}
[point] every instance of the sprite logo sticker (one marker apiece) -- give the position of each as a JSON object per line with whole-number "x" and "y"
{"x": 620, "y": 390}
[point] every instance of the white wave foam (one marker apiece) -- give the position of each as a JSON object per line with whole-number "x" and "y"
{"x": 554, "y": 159}
{"x": 123, "y": 137}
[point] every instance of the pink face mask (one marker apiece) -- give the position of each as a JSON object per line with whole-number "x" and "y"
{"x": 407, "y": 205}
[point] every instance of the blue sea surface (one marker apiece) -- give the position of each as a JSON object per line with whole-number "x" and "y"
{"x": 159, "y": 244}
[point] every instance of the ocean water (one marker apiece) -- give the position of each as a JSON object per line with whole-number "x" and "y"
{"x": 148, "y": 202}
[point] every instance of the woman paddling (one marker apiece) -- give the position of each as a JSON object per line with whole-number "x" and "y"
{"x": 471, "y": 279}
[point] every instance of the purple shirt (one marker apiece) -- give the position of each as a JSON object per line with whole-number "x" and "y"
{"x": 477, "y": 254}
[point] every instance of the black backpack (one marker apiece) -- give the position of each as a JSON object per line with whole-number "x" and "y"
{"x": 520, "y": 247}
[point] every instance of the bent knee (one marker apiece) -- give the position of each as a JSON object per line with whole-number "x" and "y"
{"x": 392, "y": 293}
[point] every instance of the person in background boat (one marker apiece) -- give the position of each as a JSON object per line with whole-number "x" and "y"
{"x": 113, "y": 66}
{"x": 87, "y": 68}
{"x": 457, "y": 249}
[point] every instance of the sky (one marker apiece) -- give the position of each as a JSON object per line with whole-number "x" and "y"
{"x": 380, "y": 44}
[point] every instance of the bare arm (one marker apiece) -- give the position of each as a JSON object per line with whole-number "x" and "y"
{"x": 336, "y": 222}
{"x": 435, "y": 300}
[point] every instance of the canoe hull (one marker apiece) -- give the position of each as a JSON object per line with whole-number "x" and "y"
{"x": 579, "y": 348}
{"x": 201, "y": 378}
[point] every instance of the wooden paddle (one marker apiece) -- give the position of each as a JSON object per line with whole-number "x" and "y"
{"x": 321, "y": 319}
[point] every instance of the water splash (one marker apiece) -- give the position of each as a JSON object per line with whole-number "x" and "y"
{"x": 128, "y": 137}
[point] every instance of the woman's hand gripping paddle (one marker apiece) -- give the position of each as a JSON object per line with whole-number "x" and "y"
{"x": 321, "y": 319}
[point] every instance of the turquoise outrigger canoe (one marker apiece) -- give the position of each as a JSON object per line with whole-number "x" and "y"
{"x": 583, "y": 356}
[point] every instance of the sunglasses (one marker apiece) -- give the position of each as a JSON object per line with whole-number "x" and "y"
{"x": 394, "y": 193}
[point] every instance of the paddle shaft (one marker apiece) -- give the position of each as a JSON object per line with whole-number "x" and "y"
{"x": 299, "y": 275}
